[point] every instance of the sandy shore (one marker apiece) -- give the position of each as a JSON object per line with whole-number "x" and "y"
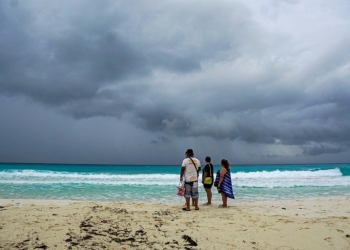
{"x": 300, "y": 224}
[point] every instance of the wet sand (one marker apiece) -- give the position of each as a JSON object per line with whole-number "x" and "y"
{"x": 322, "y": 223}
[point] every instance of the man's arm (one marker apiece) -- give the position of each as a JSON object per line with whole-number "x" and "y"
{"x": 182, "y": 173}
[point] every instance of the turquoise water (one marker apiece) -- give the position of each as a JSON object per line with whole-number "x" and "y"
{"x": 158, "y": 183}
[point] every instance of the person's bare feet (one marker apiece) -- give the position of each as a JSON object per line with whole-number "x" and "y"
{"x": 222, "y": 206}
{"x": 207, "y": 204}
{"x": 193, "y": 205}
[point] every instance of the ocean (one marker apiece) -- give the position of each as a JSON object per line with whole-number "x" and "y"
{"x": 157, "y": 184}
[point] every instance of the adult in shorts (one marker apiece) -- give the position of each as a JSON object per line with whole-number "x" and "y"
{"x": 189, "y": 173}
{"x": 208, "y": 172}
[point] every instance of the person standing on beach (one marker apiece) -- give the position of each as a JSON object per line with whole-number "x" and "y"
{"x": 223, "y": 177}
{"x": 189, "y": 172}
{"x": 207, "y": 179}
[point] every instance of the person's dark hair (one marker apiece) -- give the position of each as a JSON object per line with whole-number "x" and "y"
{"x": 189, "y": 152}
{"x": 225, "y": 163}
{"x": 207, "y": 159}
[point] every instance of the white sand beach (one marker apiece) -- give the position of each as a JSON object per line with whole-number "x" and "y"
{"x": 322, "y": 223}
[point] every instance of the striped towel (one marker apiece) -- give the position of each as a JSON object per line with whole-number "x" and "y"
{"x": 226, "y": 184}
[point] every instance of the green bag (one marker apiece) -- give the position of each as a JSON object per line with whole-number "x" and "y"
{"x": 208, "y": 180}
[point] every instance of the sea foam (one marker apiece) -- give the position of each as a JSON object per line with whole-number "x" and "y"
{"x": 263, "y": 179}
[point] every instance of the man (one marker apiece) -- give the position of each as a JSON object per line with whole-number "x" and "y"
{"x": 189, "y": 171}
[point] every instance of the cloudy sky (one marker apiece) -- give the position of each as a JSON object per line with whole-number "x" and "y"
{"x": 139, "y": 82}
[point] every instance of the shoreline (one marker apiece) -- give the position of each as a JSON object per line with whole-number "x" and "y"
{"x": 171, "y": 165}
{"x": 34, "y": 201}
{"x": 316, "y": 223}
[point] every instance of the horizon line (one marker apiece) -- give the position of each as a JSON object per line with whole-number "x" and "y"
{"x": 90, "y": 164}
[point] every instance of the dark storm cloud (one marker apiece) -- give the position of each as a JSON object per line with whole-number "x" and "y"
{"x": 161, "y": 139}
{"x": 59, "y": 68}
{"x": 184, "y": 70}
{"x": 324, "y": 149}
{"x": 81, "y": 55}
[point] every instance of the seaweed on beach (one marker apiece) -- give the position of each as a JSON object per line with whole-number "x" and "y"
{"x": 161, "y": 213}
{"x": 122, "y": 231}
{"x": 189, "y": 240}
{"x": 41, "y": 246}
{"x": 31, "y": 243}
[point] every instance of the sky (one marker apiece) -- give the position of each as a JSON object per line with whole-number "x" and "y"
{"x": 140, "y": 82}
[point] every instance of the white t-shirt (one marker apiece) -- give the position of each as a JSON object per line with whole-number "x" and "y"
{"x": 190, "y": 171}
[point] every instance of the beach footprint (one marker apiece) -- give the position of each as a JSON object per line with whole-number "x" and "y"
{"x": 329, "y": 240}
{"x": 285, "y": 248}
